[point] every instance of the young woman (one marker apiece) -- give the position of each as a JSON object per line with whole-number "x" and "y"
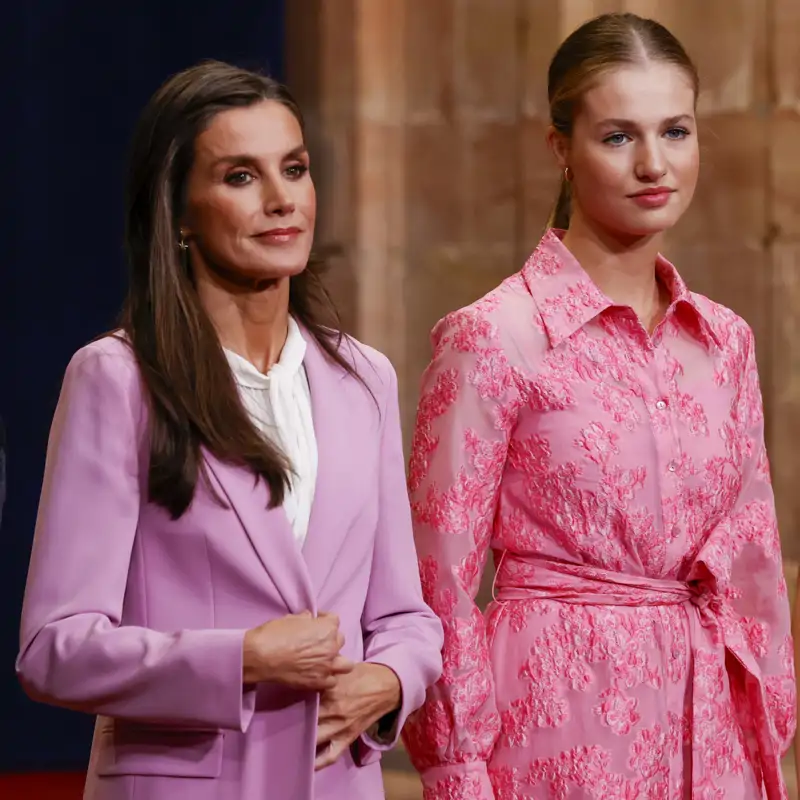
{"x": 223, "y": 568}
{"x": 599, "y": 427}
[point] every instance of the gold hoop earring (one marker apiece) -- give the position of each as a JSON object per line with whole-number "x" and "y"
{"x": 568, "y": 175}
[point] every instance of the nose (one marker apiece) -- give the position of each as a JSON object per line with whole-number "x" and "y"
{"x": 651, "y": 163}
{"x": 278, "y": 199}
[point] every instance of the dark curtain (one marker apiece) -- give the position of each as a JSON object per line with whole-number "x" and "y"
{"x": 76, "y": 74}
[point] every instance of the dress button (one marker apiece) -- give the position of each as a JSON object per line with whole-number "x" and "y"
{"x": 671, "y": 466}
{"x": 661, "y": 405}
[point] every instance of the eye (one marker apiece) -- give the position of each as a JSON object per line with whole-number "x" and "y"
{"x": 616, "y": 139}
{"x": 296, "y": 171}
{"x": 239, "y": 178}
{"x": 677, "y": 133}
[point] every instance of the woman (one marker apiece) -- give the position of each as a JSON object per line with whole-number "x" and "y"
{"x": 599, "y": 427}
{"x": 223, "y": 568}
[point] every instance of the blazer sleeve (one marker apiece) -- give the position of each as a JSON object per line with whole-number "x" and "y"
{"x": 74, "y": 650}
{"x": 759, "y": 594}
{"x": 466, "y": 412}
{"x": 400, "y": 630}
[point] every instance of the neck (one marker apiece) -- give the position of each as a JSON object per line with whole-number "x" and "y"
{"x": 623, "y": 268}
{"x": 253, "y": 323}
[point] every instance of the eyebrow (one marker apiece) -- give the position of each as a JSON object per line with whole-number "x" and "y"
{"x": 246, "y": 158}
{"x": 627, "y": 123}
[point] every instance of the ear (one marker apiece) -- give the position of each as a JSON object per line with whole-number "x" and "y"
{"x": 185, "y": 221}
{"x": 184, "y": 228}
{"x": 559, "y": 147}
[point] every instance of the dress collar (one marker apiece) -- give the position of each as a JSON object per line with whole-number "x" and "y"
{"x": 568, "y": 299}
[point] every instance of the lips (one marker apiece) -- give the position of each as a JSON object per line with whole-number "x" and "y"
{"x": 656, "y": 190}
{"x": 280, "y": 232}
{"x": 279, "y": 235}
{"x": 654, "y": 197}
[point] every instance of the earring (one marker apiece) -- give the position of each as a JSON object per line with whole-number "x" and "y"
{"x": 568, "y": 175}
{"x": 182, "y": 243}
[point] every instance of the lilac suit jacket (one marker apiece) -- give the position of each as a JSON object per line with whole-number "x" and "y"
{"x": 140, "y": 619}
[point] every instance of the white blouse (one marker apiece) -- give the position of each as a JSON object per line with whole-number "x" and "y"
{"x": 279, "y": 405}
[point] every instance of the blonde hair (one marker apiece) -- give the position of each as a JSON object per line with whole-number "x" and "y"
{"x": 597, "y": 46}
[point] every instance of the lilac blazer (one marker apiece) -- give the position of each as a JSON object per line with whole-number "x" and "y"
{"x": 140, "y": 619}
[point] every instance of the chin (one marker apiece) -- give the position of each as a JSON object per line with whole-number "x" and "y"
{"x": 281, "y": 265}
{"x": 275, "y": 272}
{"x": 650, "y": 224}
{"x": 258, "y": 276}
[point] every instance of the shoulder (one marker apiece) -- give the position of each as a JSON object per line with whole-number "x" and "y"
{"x": 102, "y": 391}
{"x": 361, "y": 356}
{"x": 503, "y": 319}
{"x": 373, "y": 369}
{"x": 732, "y": 332}
{"x": 107, "y": 364}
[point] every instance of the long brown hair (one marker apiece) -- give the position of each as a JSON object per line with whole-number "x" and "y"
{"x": 597, "y": 46}
{"x": 193, "y": 398}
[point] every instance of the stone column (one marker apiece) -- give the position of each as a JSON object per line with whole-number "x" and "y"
{"x": 346, "y": 65}
{"x": 427, "y": 122}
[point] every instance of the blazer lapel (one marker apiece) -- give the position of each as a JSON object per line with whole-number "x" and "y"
{"x": 269, "y": 533}
{"x": 328, "y": 525}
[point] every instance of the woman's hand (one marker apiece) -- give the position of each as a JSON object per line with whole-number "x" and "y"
{"x": 351, "y": 706}
{"x": 299, "y": 650}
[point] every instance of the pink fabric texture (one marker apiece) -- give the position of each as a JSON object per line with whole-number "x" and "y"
{"x": 638, "y": 644}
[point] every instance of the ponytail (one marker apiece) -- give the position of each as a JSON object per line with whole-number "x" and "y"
{"x": 559, "y": 216}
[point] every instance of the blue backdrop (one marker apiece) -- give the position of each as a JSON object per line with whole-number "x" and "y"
{"x": 76, "y": 74}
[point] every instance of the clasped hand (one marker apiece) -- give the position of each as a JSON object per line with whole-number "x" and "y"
{"x": 303, "y": 651}
{"x": 298, "y": 650}
{"x": 358, "y": 700}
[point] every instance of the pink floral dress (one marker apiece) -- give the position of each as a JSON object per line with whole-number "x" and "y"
{"x": 638, "y": 645}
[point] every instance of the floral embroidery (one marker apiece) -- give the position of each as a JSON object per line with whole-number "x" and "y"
{"x": 638, "y": 647}
{"x": 617, "y": 711}
{"x": 436, "y": 403}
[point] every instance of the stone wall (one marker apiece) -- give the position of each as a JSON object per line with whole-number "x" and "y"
{"x": 427, "y": 122}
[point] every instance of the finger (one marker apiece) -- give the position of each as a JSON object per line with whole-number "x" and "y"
{"x": 327, "y": 711}
{"x": 339, "y": 640}
{"x": 341, "y": 666}
{"x": 305, "y": 614}
{"x": 317, "y": 684}
{"x": 326, "y": 684}
{"x": 326, "y": 732}
{"x": 330, "y": 754}
{"x": 328, "y": 696}
{"x": 333, "y": 618}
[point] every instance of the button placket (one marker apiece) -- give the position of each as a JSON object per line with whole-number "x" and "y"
{"x": 666, "y": 435}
